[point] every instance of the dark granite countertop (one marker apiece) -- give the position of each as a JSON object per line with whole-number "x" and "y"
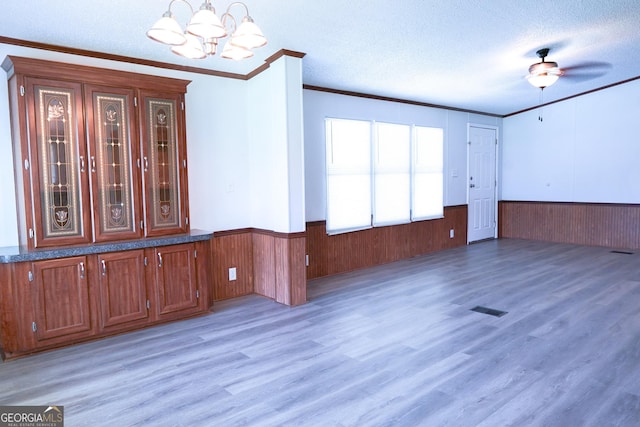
{"x": 17, "y": 254}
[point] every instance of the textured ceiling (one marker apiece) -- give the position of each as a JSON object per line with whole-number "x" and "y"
{"x": 466, "y": 54}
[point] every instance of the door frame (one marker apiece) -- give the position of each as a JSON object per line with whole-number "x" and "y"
{"x": 496, "y": 129}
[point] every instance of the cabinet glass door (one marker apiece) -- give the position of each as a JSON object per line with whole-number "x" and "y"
{"x": 58, "y": 176}
{"x": 164, "y": 166}
{"x": 113, "y": 146}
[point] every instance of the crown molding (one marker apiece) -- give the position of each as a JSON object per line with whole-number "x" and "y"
{"x": 157, "y": 64}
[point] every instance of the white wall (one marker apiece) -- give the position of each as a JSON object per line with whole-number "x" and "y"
{"x": 321, "y": 105}
{"x": 586, "y": 149}
{"x": 295, "y": 145}
{"x": 224, "y": 137}
{"x": 218, "y": 153}
{"x": 276, "y": 147}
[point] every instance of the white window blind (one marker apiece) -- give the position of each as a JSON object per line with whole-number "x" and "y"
{"x": 428, "y": 183}
{"x": 348, "y": 153}
{"x": 393, "y": 178}
{"x": 392, "y": 174}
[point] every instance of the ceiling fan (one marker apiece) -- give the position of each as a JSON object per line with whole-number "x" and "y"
{"x": 545, "y": 73}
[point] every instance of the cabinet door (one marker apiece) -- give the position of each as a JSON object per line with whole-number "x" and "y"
{"x": 176, "y": 281}
{"x": 58, "y": 165}
{"x": 16, "y": 309}
{"x": 62, "y": 306}
{"x": 123, "y": 295}
{"x": 164, "y": 158}
{"x": 113, "y": 160}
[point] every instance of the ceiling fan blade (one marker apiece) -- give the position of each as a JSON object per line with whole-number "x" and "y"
{"x": 589, "y": 66}
{"x": 585, "y": 71}
{"x": 582, "y": 77}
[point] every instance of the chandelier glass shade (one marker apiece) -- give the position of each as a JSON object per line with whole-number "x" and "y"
{"x": 233, "y": 51}
{"x": 167, "y": 30}
{"x": 191, "y": 49}
{"x": 200, "y": 37}
{"x": 206, "y": 24}
{"x": 248, "y": 35}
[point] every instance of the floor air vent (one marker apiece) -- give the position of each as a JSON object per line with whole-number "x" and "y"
{"x": 491, "y": 311}
{"x": 622, "y": 252}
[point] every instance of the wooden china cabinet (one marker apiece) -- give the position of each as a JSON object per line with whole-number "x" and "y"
{"x": 86, "y": 176}
{"x": 100, "y": 166}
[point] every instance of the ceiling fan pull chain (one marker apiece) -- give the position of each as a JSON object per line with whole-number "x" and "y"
{"x": 540, "y": 104}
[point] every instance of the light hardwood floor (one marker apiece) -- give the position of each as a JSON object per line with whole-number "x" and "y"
{"x": 394, "y": 345}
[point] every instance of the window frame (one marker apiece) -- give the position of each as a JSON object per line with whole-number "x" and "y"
{"x": 415, "y": 170}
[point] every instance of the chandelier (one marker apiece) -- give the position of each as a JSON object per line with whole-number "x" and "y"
{"x": 204, "y": 30}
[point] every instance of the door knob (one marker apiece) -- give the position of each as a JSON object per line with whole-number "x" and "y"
{"x": 472, "y": 185}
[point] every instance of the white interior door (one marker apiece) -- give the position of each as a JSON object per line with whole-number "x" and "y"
{"x": 482, "y": 183}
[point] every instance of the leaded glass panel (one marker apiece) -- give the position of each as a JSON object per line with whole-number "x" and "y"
{"x": 113, "y": 163}
{"x": 163, "y": 185}
{"x": 59, "y": 182}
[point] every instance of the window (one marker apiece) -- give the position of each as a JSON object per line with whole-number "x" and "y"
{"x": 428, "y": 185}
{"x": 382, "y": 174}
{"x": 392, "y": 174}
{"x": 348, "y": 175}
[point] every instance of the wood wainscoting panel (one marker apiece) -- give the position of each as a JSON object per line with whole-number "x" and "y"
{"x": 279, "y": 266}
{"x": 264, "y": 265}
{"x": 317, "y": 249}
{"x": 290, "y": 280}
{"x": 592, "y": 224}
{"x": 340, "y": 253}
{"x": 232, "y": 250}
{"x": 267, "y": 263}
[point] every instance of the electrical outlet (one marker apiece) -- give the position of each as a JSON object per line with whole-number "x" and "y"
{"x": 451, "y": 233}
{"x": 232, "y": 274}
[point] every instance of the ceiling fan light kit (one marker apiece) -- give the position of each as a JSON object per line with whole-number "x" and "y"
{"x": 544, "y": 73}
{"x": 204, "y": 30}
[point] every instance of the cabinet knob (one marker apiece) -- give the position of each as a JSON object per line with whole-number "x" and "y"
{"x": 159, "y": 259}
{"x": 104, "y": 268}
